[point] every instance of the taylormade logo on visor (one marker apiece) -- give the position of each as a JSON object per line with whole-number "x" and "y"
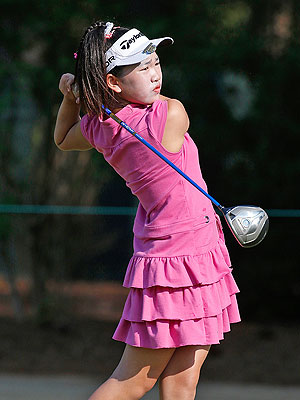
{"x": 127, "y": 43}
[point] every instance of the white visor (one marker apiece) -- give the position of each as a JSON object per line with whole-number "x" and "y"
{"x": 132, "y": 48}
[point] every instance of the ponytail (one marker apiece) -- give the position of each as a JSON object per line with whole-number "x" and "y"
{"x": 90, "y": 70}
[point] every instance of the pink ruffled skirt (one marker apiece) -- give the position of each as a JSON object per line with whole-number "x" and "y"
{"x": 185, "y": 298}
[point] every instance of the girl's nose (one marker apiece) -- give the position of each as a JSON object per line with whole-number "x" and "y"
{"x": 155, "y": 75}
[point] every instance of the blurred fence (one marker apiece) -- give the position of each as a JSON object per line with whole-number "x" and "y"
{"x": 267, "y": 275}
{"x": 81, "y": 210}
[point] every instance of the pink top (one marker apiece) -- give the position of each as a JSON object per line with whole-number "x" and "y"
{"x": 168, "y": 203}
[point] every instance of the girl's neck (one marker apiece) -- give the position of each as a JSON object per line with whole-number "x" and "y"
{"x": 117, "y": 104}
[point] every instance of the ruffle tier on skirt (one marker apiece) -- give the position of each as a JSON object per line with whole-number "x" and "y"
{"x": 180, "y": 300}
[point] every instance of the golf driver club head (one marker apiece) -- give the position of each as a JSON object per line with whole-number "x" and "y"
{"x": 249, "y": 224}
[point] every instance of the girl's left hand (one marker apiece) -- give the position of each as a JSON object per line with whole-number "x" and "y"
{"x": 65, "y": 86}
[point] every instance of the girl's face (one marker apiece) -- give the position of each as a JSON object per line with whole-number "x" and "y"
{"x": 142, "y": 83}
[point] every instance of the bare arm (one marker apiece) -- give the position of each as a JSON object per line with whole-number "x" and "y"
{"x": 176, "y": 126}
{"x": 67, "y": 133}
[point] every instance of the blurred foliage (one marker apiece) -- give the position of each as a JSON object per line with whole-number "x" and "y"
{"x": 212, "y": 37}
{"x": 234, "y": 65}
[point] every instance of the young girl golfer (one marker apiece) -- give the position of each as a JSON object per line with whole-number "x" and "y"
{"x": 182, "y": 294}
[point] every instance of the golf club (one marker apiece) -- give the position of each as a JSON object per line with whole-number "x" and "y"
{"x": 248, "y": 224}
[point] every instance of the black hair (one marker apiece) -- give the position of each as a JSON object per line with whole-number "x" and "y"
{"x": 90, "y": 70}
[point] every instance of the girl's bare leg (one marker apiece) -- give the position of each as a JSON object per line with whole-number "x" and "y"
{"x": 179, "y": 379}
{"x": 136, "y": 374}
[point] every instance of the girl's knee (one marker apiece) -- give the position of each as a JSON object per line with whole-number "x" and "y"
{"x": 136, "y": 390}
{"x": 131, "y": 389}
{"x": 140, "y": 389}
{"x": 179, "y": 387}
{"x": 136, "y": 387}
{"x": 178, "y": 392}
{"x": 149, "y": 384}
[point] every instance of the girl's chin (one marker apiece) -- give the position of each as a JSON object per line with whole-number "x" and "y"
{"x": 145, "y": 102}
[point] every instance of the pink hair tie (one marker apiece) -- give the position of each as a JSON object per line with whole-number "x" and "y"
{"x": 75, "y": 55}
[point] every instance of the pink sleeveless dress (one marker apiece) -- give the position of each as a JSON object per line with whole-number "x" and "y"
{"x": 181, "y": 288}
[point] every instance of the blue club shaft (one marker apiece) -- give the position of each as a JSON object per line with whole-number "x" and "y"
{"x": 130, "y": 130}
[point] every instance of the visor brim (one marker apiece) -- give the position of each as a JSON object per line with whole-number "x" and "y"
{"x": 142, "y": 53}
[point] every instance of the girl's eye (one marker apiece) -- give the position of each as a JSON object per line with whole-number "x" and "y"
{"x": 144, "y": 69}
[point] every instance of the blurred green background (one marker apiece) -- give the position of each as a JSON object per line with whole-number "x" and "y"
{"x": 235, "y": 67}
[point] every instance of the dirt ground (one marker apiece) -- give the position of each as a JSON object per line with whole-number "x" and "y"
{"x": 79, "y": 341}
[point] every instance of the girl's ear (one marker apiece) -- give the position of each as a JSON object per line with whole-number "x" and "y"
{"x": 113, "y": 83}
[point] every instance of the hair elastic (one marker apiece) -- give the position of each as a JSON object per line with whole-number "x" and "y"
{"x": 108, "y": 30}
{"x": 75, "y": 55}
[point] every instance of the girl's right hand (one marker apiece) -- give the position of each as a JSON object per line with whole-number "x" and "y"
{"x": 65, "y": 86}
